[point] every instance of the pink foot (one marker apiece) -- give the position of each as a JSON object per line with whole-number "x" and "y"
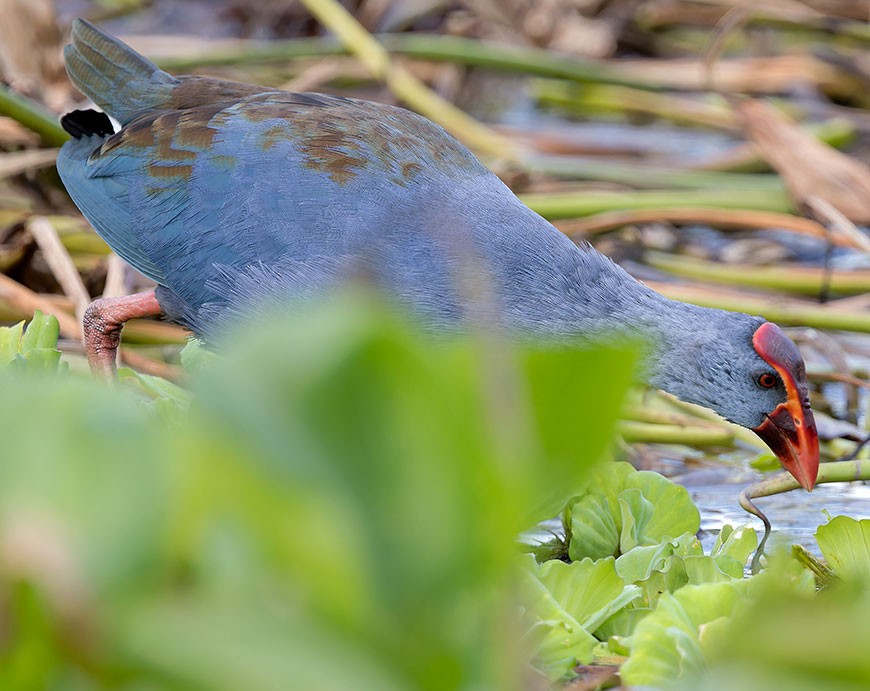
{"x": 102, "y": 324}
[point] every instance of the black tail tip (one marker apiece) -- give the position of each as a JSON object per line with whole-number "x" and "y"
{"x": 87, "y": 123}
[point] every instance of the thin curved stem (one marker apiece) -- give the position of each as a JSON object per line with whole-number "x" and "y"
{"x": 838, "y": 471}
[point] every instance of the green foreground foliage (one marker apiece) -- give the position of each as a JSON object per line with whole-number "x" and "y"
{"x": 335, "y": 503}
{"x": 336, "y": 508}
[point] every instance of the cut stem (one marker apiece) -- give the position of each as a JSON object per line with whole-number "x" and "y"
{"x": 633, "y": 431}
{"x": 586, "y": 203}
{"x": 33, "y": 116}
{"x": 804, "y": 280}
{"x": 718, "y": 218}
{"x": 786, "y": 312}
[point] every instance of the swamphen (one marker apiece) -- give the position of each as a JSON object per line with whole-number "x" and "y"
{"x": 229, "y": 194}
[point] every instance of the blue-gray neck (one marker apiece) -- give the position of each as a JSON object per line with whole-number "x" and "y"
{"x": 522, "y": 273}
{"x": 458, "y": 252}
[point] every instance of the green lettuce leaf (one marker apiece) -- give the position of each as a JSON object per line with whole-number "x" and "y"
{"x": 667, "y": 644}
{"x": 621, "y": 508}
{"x": 32, "y": 349}
{"x": 566, "y": 603}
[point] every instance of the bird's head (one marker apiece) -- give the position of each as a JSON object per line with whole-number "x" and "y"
{"x": 789, "y": 428}
{"x": 751, "y": 373}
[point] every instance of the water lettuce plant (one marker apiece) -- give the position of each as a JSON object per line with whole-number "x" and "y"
{"x": 620, "y": 508}
{"x": 32, "y": 350}
{"x": 640, "y": 529}
{"x": 710, "y": 627}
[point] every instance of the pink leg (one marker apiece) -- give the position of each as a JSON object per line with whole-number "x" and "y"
{"x": 102, "y": 324}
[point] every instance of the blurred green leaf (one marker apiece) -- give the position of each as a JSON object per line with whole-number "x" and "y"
{"x": 845, "y": 543}
{"x": 28, "y": 660}
{"x": 336, "y": 507}
{"x": 84, "y": 476}
{"x": 162, "y": 396}
{"x": 227, "y": 646}
{"x": 766, "y": 463}
{"x": 576, "y": 395}
{"x": 195, "y": 356}
{"x": 422, "y": 453}
{"x": 788, "y": 636}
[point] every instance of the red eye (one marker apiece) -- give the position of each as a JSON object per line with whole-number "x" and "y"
{"x": 767, "y": 380}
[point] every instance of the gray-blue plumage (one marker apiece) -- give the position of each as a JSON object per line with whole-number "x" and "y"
{"x": 228, "y": 195}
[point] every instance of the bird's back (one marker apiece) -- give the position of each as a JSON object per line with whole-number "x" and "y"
{"x": 214, "y": 189}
